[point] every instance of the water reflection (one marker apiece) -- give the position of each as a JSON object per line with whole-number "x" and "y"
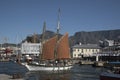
{"x": 47, "y": 76}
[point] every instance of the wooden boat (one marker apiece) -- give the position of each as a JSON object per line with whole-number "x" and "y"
{"x": 55, "y": 56}
{"x": 55, "y": 53}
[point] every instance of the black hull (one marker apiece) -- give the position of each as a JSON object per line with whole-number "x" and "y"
{"x": 109, "y": 76}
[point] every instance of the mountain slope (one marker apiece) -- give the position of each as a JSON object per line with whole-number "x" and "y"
{"x": 94, "y": 36}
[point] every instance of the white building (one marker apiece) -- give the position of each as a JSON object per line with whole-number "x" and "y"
{"x": 109, "y": 42}
{"x": 85, "y": 50}
{"x": 30, "y": 48}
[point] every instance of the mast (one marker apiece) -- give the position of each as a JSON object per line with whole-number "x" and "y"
{"x": 57, "y": 34}
{"x": 58, "y": 23}
{"x": 18, "y": 54}
{"x": 42, "y": 40}
{"x": 34, "y": 38}
{"x": 43, "y": 33}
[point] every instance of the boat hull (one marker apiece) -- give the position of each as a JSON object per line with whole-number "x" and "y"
{"x": 109, "y": 76}
{"x": 47, "y": 68}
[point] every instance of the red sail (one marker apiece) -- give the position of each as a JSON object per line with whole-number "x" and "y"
{"x": 63, "y": 51}
{"x": 48, "y": 48}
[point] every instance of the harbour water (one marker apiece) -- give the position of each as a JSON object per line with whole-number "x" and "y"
{"x": 78, "y": 72}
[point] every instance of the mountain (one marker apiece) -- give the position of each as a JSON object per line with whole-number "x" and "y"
{"x": 84, "y": 37}
{"x": 94, "y": 37}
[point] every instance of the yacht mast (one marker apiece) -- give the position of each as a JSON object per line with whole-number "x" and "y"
{"x": 58, "y": 23}
{"x": 43, "y": 33}
{"x": 42, "y": 40}
{"x": 57, "y": 33}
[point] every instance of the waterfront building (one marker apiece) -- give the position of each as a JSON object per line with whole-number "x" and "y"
{"x": 106, "y": 43}
{"x": 109, "y": 42}
{"x": 111, "y": 51}
{"x": 30, "y": 48}
{"x": 85, "y": 50}
{"x": 110, "y": 48}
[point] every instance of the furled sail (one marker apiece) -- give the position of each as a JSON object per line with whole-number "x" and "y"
{"x": 63, "y": 51}
{"x": 48, "y": 48}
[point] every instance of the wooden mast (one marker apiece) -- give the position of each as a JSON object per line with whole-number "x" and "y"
{"x": 58, "y": 23}
{"x": 34, "y": 38}
{"x": 42, "y": 40}
{"x": 57, "y": 34}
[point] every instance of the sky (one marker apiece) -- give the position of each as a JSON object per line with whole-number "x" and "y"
{"x": 20, "y": 18}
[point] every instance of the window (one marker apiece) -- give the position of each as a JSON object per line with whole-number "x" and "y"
{"x": 86, "y": 50}
{"x": 89, "y": 50}
{"x": 75, "y": 55}
{"x": 96, "y": 50}
{"x": 82, "y": 50}
{"x": 92, "y": 50}
{"x": 79, "y": 54}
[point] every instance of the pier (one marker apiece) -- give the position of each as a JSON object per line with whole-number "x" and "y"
{"x": 93, "y": 63}
{"x": 99, "y": 64}
{"x": 8, "y": 77}
{"x": 86, "y": 62}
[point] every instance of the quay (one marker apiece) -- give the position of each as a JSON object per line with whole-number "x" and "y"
{"x": 8, "y": 77}
{"x": 86, "y": 62}
{"x": 93, "y": 63}
{"x": 99, "y": 64}
{"x": 115, "y": 65}
{"x": 4, "y": 60}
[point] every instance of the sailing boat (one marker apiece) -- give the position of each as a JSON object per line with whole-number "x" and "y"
{"x": 55, "y": 54}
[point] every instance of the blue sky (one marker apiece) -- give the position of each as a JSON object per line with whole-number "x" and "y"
{"x": 25, "y": 17}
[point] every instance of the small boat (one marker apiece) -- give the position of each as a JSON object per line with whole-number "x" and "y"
{"x": 109, "y": 76}
{"x": 113, "y": 73}
{"x": 112, "y": 64}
